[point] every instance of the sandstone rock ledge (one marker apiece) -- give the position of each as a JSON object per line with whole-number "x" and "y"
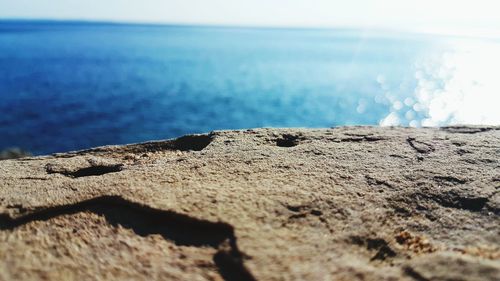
{"x": 351, "y": 203}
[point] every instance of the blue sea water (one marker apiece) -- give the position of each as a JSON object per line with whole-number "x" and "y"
{"x": 70, "y": 85}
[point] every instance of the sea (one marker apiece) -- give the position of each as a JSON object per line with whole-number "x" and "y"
{"x": 74, "y": 85}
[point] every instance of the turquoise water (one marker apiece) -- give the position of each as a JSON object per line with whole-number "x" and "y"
{"x": 67, "y": 86}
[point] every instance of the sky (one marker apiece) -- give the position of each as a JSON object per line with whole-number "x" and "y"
{"x": 436, "y": 16}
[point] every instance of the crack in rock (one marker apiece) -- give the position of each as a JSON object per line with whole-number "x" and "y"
{"x": 192, "y": 142}
{"x": 466, "y": 130}
{"x": 95, "y": 170}
{"x": 184, "y": 143}
{"x": 420, "y": 146}
{"x": 463, "y": 151}
{"x": 449, "y": 180}
{"x": 304, "y": 211}
{"x": 382, "y": 248}
{"x": 289, "y": 140}
{"x": 144, "y": 220}
{"x": 414, "y": 274}
{"x": 450, "y": 199}
{"x": 373, "y": 181}
{"x": 362, "y": 139}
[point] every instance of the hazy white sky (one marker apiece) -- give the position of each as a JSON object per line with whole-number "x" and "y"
{"x": 430, "y": 15}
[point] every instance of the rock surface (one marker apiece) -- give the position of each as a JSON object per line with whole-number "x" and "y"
{"x": 351, "y": 203}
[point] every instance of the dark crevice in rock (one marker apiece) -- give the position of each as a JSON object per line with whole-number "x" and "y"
{"x": 449, "y": 199}
{"x": 419, "y": 146}
{"x": 143, "y": 220}
{"x": 307, "y": 211}
{"x": 466, "y": 130}
{"x": 458, "y": 143}
{"x": 373, "y": 181}
{"x": 473, "y": 204}
{"x": 383, "y": 251}
{"x": 192, "y": 142}
{"x": 480, "y": 161}
{"x": 303, "y": 211}
{"x": 413, "y": 274}
{"x": 316, "y": 212}
{"x": 184, "y": 143}
{"x": 362, "y": 139}
{"x": 298, "y": 216}
{"x": 288, "y": 140}
{"x": 425, "y": 201}
{"x": 34, "y": 178}
{"x": 493, "y": 210}
{"x": 449, "y": 180}
{"x": 462, "y": 152}
{"x": 296, "y": 208}
{"x": 97, "y": 170}
{"x": 398, "y": 156}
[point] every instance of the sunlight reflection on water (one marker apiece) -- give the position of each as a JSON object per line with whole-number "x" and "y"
{"x": 458, "y": 86}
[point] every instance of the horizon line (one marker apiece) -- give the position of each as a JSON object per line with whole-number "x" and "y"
{"x": 255, "y": 26}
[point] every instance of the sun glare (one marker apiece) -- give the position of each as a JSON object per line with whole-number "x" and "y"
{"x": 459, "y": 86}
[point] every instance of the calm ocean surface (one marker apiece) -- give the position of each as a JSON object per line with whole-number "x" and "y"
{"x": 67, "y": 86}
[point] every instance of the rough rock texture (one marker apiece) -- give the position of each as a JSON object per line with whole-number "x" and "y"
{"x": 352, "y": 203}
